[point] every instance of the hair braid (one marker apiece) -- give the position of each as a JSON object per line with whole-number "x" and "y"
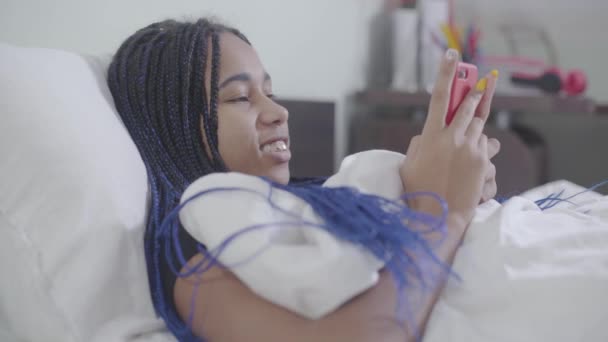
{"x": 213, "y": 122}
{"x": 157, "y": 79}
{"x": 197, "y": 86}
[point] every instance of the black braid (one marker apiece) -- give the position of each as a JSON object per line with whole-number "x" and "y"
{"x": 191, "y": 36}
{"x": 215, "y": 70}
{"x": 157, "y": 79}
{"x": 197, "y": 86}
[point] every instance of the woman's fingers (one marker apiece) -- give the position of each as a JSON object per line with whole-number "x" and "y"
{"x": 483, "y": 110}
{"x": 483, "y": 145}
{"x": 493, "y": 147}
{"x": 491, "y": 173}
{"x": 489, "y": 188}
{"x": 466, "y": 111}
{"x": 477, "y": 104}
{"x": 440, "y": 98}
{"x": 475, "y": 130}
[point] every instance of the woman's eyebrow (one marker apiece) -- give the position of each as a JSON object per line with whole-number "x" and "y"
{"x": 242, "y": 77}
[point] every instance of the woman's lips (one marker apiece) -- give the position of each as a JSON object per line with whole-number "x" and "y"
{"x": 277, "y": 150}
{"x": 275, "y": 146}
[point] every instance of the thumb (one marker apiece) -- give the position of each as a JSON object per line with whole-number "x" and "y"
{"x": 412, "y": 149}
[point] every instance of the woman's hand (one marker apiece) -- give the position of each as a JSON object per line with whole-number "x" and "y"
{"x": 483, "y": 111}
{"x": 489, "y": 187}
{"x": 452, "y": 161}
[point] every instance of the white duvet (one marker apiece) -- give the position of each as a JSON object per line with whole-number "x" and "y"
{"x": 526, "y": 274}
{"x": 529, "y": 275}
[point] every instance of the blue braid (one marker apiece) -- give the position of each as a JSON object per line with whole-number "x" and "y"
{"x": 381, "y": 226}
{"x": 157, "y": 80}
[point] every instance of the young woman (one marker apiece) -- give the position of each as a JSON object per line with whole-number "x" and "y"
{"x": 197, "y": 100}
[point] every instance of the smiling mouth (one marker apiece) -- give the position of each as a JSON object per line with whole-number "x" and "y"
{"x": 276, "y": 146}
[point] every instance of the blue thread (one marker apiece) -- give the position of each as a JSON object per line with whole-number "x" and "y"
{"x": 555, "y": 198}
{"x": 372, "y": 222}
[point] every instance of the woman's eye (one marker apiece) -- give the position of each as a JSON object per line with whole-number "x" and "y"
{"x": 239, "y": 99}
{"x": 271, "y": 96}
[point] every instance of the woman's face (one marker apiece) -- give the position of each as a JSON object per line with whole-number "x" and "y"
{"x": 253, "y": 135}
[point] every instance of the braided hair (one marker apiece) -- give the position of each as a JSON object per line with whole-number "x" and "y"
{"x": 157, "y": 80}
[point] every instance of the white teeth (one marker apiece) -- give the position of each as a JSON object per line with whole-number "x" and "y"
{"x": 277, "y": 146}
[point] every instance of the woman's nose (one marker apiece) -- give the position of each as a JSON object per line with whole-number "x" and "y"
{"x": 273, "y": 113}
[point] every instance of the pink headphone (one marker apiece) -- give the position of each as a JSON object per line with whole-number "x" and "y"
{"x": 554, "y": 80}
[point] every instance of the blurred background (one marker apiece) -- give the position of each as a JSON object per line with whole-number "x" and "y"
{"x": 355, "y": 74}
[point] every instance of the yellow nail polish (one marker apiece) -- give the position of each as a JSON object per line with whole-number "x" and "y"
{"x": 482, "y": 84}
{"x": 494, "y": 73}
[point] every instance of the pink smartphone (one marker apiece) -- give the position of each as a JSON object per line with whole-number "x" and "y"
{"x": 464, "y": 80}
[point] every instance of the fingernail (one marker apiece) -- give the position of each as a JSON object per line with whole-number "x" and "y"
{"x": 451, "y": 54}
{"x": 481, "y": 85}
{"x": 494, "y": 73}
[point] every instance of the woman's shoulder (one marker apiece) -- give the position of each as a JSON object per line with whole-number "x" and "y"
{"x": 374, "y": 172}
{"x": 225, "y": 181}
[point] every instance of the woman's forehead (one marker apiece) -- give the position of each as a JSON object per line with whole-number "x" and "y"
{"x": 238, "y": 57}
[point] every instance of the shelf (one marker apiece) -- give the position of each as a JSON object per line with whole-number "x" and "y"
{"x": 511, "y": 103}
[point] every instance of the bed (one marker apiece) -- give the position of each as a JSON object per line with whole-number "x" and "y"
{"x": 73, "y": 199}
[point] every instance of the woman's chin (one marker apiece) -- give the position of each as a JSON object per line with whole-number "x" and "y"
{"x": 280, "y": 173}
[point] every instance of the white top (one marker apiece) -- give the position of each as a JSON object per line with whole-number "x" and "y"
{"x": 300, "y": 267}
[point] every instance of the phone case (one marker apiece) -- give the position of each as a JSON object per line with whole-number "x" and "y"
{"x": 464, "y": 80}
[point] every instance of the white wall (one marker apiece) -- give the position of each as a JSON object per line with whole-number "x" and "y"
{"x": 314, "y": 49}
{"x": 310, "y": 47}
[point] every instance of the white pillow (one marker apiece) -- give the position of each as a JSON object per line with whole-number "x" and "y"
{"x": 73, "y": 192}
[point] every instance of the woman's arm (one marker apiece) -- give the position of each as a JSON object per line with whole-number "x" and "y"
{"x": 449, "y": 161}
{"x": 452, "y": 162}
{"x": 226, "y": 310}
